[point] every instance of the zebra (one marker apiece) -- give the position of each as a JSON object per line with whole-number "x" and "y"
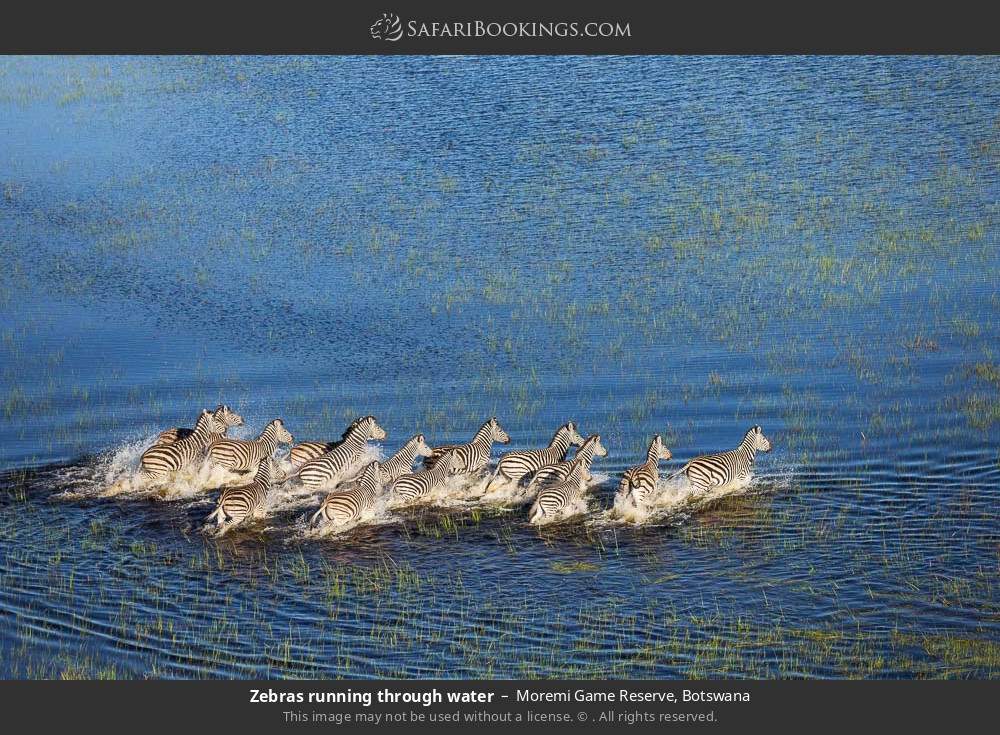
{"x": 641, "y": 480}
{"x": 402, "y": 461}
{"x": 302, "y": 453}
{"x": 559, "y": 471}
{"x": 239, "y": 503}
{"x": 240, "y": 455}
{"x": 554, "y": 499}
{"x": 722, "y": 468}
{"x": 161, "y": 459}
{"x": 413, "y": 485}
{"x": 332, "y": 466}
{"x": 475, "y": 455}
{"x": 515, "y": 466}
{"x": 229, "y": 417}
{"x": 344, "y": 506}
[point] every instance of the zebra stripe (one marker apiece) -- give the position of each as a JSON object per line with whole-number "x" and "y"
{"x": 160, "y": 460}
{"x": 559, "y": 471}
{"x": 333, "y": 466}
{"x": 240, "y": 455}
{"x": 641, "y": 480}
{"x": 347, "y": 505}
{"x": 237, "y": 503}
{"x": 718, "y": 470}
{"x": 413, "y": 485}
{"x": 302, "y": 453}
{"x": 553, "y": 500}
{"x": 515, "y": 466}
{"x": 228, "y": 416}
{"x": 402, "y": 461}
{"x": 475, "y": 455}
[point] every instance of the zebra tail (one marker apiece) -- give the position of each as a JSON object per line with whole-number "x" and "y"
{"x": 679, "y": 472}
{"x": 314, "y": 519}
{"x": 493, "y": 479}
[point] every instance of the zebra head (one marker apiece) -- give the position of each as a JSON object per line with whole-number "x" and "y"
{"x": 575, "y": 440}
{"x": 210, "y": 423}
{"x": 373, "y": 430}
{"x": 227, "y": 415}
{"x": 281, "y": 434}
{"x": 661, "y": 452}
{"x": 497, "y": 433}
{"x": 593, "y": 443}
{"x": 760, "y": 443}
{"x": 422, "y": 449}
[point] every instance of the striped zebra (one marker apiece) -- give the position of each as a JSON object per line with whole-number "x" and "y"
{"x": 161, "y": 459}
{"x": 302, "y": 453}
{"x": 553, "y": 500}
{"x": 241, "y": 455}
{"x": 344, "y": 506}
{"x": 228, "y": 416}
{"x": 559, "y": 471}
{"x": 718, "y": 470}
{"x": 641, "y": 480}
{"x": 475, "y": 455}
{"x": 414, "y": 485}
{"x": 236, "y": 504}
{"x": 402, "y": 461}
{"x": 515, "y": 466}
{"x": 333, "y": 466}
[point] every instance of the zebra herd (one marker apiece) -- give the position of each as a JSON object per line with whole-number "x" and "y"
{"x": 547, "y": 475}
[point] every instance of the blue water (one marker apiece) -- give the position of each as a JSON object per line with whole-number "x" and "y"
{"x": 684, "y": 246}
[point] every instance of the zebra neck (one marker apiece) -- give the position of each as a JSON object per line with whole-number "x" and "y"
{"x": 404, "y": 455}
{"x": 267, "y": 439}
{"x": 355, "y": 440}
{"x": 440, "y": 470}
{"x": 483, "y": 438}
{"x": 201, "y": 431}
{"x": 554, "y": 454}
{"x": 560, "y": 441}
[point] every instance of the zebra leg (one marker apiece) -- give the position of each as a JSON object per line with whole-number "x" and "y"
{"x": 536, "y": 514}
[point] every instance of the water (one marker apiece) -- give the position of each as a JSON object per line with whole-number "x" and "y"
{"x": 683, "y": 246}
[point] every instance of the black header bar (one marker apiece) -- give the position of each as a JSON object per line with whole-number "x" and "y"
{"x": 396, "y": 27}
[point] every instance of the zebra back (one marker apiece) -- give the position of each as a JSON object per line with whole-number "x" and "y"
{"x": 552, "y": 500}
{"x": 236, "y": 503}
{"x": 414, "y": 485}
{"x": 162, "y": 459}
{"x": 475, "y": 455}
{"x": 722, "y": 468}
{"x": 346, "y": 505}
{"x": 517, "y": 465}
{"x": 303, "y": 452}
{"x": 559, "y": 471}
{"x": 332, "y": 464}
{"x": 224, "y": 413}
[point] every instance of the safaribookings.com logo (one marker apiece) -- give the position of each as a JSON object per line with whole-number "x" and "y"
{"x": 390, "y": 28}
{"x": 387, "y": 28}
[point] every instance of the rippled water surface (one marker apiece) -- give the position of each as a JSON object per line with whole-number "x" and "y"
{"x": 680, "y": 246}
